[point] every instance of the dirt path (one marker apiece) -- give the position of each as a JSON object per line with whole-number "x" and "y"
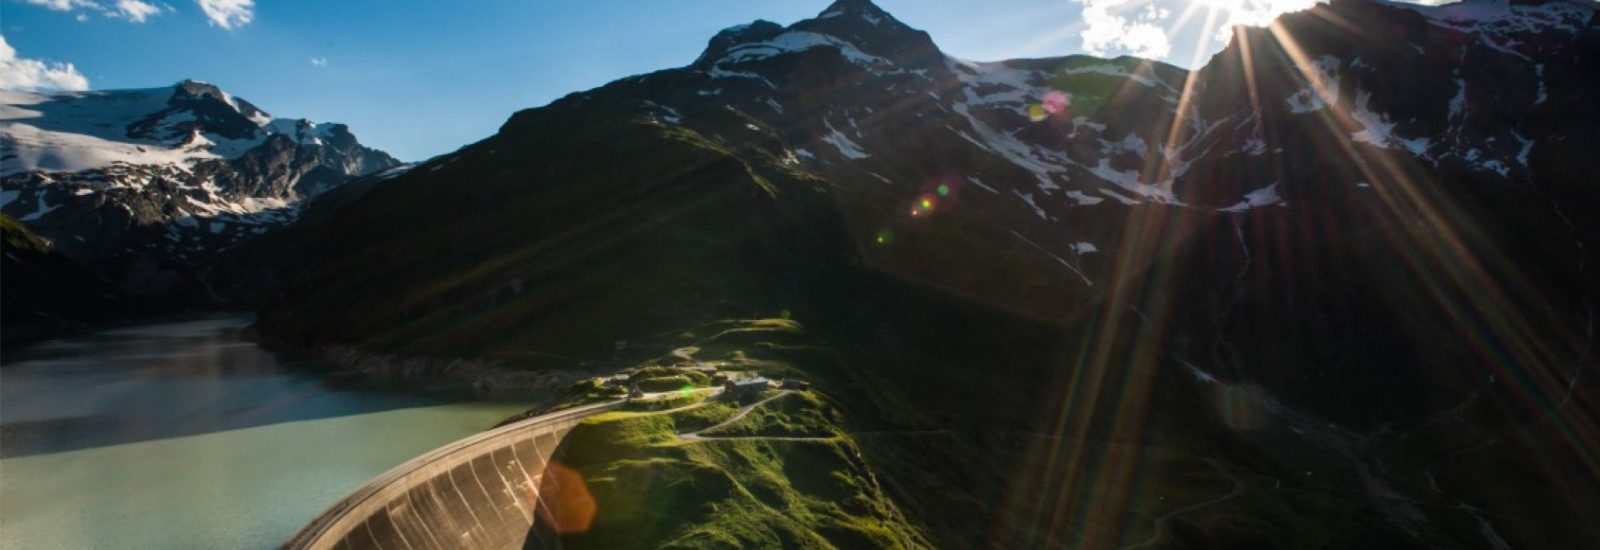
{"x": 736, "y": 418}
{"x": 1163, "y": 521}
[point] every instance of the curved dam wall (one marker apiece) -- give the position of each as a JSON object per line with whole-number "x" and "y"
{"x": 481, "y": 492}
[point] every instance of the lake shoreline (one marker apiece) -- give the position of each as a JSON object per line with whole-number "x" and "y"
{"x": 183, "y": 434}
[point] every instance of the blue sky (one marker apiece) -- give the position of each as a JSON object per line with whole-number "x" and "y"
{"x": 420, "y": 78}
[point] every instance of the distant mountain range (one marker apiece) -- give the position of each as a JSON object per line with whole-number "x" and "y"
{"x": 1345, "y": 265}
{"x": 144, "y": 185}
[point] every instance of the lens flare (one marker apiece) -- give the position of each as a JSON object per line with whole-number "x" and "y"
{"x": 1037, "y": 113}
{"x": 944, "y": 190}
{"x": 924, "y": 205}
{"x": 569, "y": 507}
{"x": 1056, "y": 102}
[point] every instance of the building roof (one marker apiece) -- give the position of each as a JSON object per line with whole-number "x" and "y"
{"x": 741, "y": 382}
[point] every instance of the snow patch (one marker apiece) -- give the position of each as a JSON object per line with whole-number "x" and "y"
{"x": 1081, "y": 122}
{"x": 1028, "y": 198}
{"x": 980, "y": 184}
{"x": 1129, "y": 181}
{"x": 1458, "y": 104}
{"x": 39, "y": 212}
{"x": 1131, "y": 144}
{"x": 1040, "y": 162}
{"x": 718, "y": 72}
{"x": 1254, "y": 147}
{"x": 667, "y": 113}
{"x": 1379, "y": 131}
{"x": 395, "y": 172}
{"x": 1124, "y": 199}
{"x": 1082, "y": 199}
{"x": 842, "y": 142}
{"x": 1321, "y": 90}
{"x": 1265, "y": 196}
{"x": 799, "y": 41}
{"x": 1199, "y": 375}
{"x": 1527, "y": 147}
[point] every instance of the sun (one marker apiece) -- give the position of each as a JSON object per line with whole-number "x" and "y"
{"x": 1257, "y": 13}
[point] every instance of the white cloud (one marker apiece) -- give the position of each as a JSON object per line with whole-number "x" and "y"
{"x": 319, "y": 62}
{"x": 136, "y": 11}
{"x": 64, "y": 5}
{"x": 31, "y": 74}
{"x": 1255, "y": 13}
{"x": 1144, "y": 28}
{"x": 133, "y": 10}
{"x": 229, "y": 14}
{"x": 1113, "y": 27}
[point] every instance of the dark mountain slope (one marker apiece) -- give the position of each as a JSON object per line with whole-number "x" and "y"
{"x": 1318, "y": 299}
{"x": 47, "y": 293}
{"x": 628, "y": 226}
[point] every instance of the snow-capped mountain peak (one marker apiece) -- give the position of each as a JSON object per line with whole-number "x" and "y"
{"x": 873, "y": 30}
{"x": 854, "y": 8}
{"x": 862, "y": 32}
{"x": 176, "y": 172}
{"x": 76, "y": 131}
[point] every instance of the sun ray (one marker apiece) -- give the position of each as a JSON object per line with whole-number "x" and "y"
{"x": 1475, "y": 296}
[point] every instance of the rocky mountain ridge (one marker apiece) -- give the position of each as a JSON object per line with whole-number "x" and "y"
{"x": 1049, "y": 186}
{"x": 148, "y": 184}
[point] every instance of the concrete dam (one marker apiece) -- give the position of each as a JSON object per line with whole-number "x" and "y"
{"x": 482, "y": 492}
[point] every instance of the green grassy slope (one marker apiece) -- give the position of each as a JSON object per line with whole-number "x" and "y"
{"x": 930, "y": 450}
{"x": 652, "y": 489}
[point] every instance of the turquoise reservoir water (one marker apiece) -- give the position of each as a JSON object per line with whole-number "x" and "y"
{"x": 182, "y": 435}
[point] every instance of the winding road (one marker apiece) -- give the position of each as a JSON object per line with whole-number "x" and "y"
{"x": 1164, "y": 520}
{"x": 738, "y": 415}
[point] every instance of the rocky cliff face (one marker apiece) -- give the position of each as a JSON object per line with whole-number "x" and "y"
{"x": 146, "y": 184}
